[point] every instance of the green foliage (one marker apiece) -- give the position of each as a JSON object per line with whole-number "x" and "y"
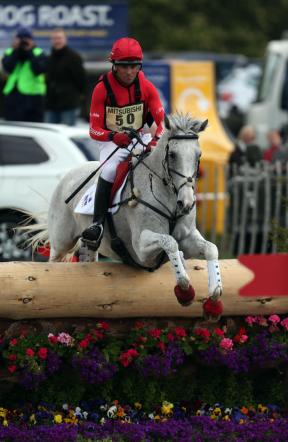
{"x": 200, "y": 25}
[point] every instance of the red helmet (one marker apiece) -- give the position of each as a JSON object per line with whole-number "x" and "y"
{"x": 126, "y": 50}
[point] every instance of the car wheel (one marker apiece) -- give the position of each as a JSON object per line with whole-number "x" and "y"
{"x": 13, "y": 242}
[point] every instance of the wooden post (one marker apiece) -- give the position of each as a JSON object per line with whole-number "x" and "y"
{"x": 112, "y": 290}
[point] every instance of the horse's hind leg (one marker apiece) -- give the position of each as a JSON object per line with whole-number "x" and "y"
{"x": 56, "y": 256}
{"x": 150, "y": 244}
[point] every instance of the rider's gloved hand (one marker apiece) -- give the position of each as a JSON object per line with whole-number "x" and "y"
{"x": 153, "y": 143}
{"x": 121, "y": 139}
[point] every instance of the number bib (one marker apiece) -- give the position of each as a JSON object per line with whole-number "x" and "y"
{"x": 126, "y": 116}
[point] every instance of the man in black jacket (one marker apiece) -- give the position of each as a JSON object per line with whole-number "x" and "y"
{"x": 66, "y": 81}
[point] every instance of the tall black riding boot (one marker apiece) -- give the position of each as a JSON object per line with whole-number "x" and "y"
{"x": 92, "y": 236}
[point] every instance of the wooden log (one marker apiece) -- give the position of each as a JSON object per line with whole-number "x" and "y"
{"x": 112, "y": 290}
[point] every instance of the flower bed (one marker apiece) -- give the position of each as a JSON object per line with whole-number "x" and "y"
{"x": 159, "y": 374}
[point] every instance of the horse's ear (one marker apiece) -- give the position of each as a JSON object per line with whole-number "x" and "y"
{"x": 203, "y": 126}
{"x": 167, "y": 122}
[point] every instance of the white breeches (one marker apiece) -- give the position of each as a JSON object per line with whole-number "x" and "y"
{"x": 108, "y": 172}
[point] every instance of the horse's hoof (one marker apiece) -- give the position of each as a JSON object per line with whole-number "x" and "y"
{"x": 184, "y": 297}
{"x": 212, "y": 310}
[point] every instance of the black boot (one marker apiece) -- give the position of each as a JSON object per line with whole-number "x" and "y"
{"x": 92, "y": 236}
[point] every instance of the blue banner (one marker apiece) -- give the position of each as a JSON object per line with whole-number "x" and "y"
{"x": 159, "y": 74}
{"x": 90, "y": 26}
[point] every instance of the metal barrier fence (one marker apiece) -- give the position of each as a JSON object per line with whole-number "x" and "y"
{"x": 256, "y": 205}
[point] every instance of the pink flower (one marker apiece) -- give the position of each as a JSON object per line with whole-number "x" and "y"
{"x": 104, "y": 325}
{"x": 250, "y": 320}
{"x": 217, "y": 331}
{"x": 12, "y": 357}
{"x": 155, "y": 333}
{"x": 30, "y": 352}
{"x": 202, "y": 333}
{"x": 52, "y": 338}
{"x": 13, "y": 342}
{"x": 180, "y": 332}
{"x": 274, "y": 319}
{"x": 127, "y": 357}
{"x": 84, "y": 343}
{"x": 65, "y": 338}
{"x": 226, "y": 344}
{"x": 262, "y": 321}
{"x": 284, "y": 323}
{"x": 11, "y": 368}
{"x": 243, "y": 339}
{"x": 42, "y": 353}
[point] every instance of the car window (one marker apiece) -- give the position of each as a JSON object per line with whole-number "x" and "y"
{"x": 268, "y": 78}
{"x": 88, "y": 147}
{"x": 16, "y": 150}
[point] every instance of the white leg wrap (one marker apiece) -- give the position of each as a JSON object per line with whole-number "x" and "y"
{"x": 183, "y": 259}
{"x": 214, "y": 279}
{"x": 180, "y": 273}
{"x": 87, "y": 255}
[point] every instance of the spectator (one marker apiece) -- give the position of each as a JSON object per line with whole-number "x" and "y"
{"x": 24, "y": 64}
{"x": 275, "y": 141}
{"x": 66, "y": 81}
{"x": 245, "y": 149}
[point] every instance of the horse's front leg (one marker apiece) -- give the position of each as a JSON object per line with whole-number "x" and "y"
{"x": 197, "y": 247}
{"x": 149, "y": 246}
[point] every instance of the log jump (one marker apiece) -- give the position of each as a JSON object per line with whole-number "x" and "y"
{"x": 112, "y": 290}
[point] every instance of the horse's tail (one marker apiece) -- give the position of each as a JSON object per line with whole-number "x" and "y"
{"x": 37, "y": 232}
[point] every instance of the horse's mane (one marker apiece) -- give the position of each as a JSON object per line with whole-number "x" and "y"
{"x": 184, "y": 123}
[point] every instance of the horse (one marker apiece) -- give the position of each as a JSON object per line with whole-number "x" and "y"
{"x": 156, "y": 219}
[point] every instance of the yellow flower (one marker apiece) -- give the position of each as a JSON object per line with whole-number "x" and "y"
{"x": 198, "y": 413}
{"x": 138, "y": 406}
{"x": 58, "y": 418}
{"x": 32, "y": 419}
{"x": 213, "y": 416}
{"x": 73, "y": 420}
{"x": 167, "y": 408}
{"x": 5, "y": 423}
{"x": 217, "y": 411}
{"x": 157, "y": 418}
{"x": 226, "y": 418}
{"x": 241, "y": 421}
{"x": 3, "y": 412}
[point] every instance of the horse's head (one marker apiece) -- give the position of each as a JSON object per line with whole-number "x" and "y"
{"x": 182, "y": 157}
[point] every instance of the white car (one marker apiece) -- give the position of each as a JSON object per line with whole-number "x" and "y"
{"x": 238, "y": 90}
{"x": 33, "y": 158}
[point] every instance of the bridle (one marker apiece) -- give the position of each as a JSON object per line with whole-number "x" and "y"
{"x": 189, "y": 180}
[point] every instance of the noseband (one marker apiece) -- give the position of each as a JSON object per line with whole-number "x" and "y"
{"x": 169, "y": 170}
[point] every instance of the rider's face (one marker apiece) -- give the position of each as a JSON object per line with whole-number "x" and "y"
{"x": 126, "y": 73}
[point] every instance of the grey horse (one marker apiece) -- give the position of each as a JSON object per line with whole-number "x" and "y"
{"x": 157, "y": 223}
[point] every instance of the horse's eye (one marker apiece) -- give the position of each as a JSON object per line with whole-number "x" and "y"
{"x": 172, "y": 155}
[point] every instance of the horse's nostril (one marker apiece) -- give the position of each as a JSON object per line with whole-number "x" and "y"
{"x": 180, "y": 204}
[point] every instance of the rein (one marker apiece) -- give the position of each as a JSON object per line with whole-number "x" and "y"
{"x": 172, "y": 218}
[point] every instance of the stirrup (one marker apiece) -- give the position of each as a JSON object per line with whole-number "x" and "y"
{"x": 93, "y": 244}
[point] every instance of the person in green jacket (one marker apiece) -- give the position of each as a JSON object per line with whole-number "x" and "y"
{"x": 24, "y": 91}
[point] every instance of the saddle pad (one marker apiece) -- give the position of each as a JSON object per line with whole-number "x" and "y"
{"x": 86, "y": 204}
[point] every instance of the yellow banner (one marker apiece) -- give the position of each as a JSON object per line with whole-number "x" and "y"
{"x": 193, "y": 91}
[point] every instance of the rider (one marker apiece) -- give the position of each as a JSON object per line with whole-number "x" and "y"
{"x": 122, "y": 98}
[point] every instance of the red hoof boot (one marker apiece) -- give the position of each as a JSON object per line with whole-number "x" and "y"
{"x": 184, "y": 297}
{"x": 212, "y": 310}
